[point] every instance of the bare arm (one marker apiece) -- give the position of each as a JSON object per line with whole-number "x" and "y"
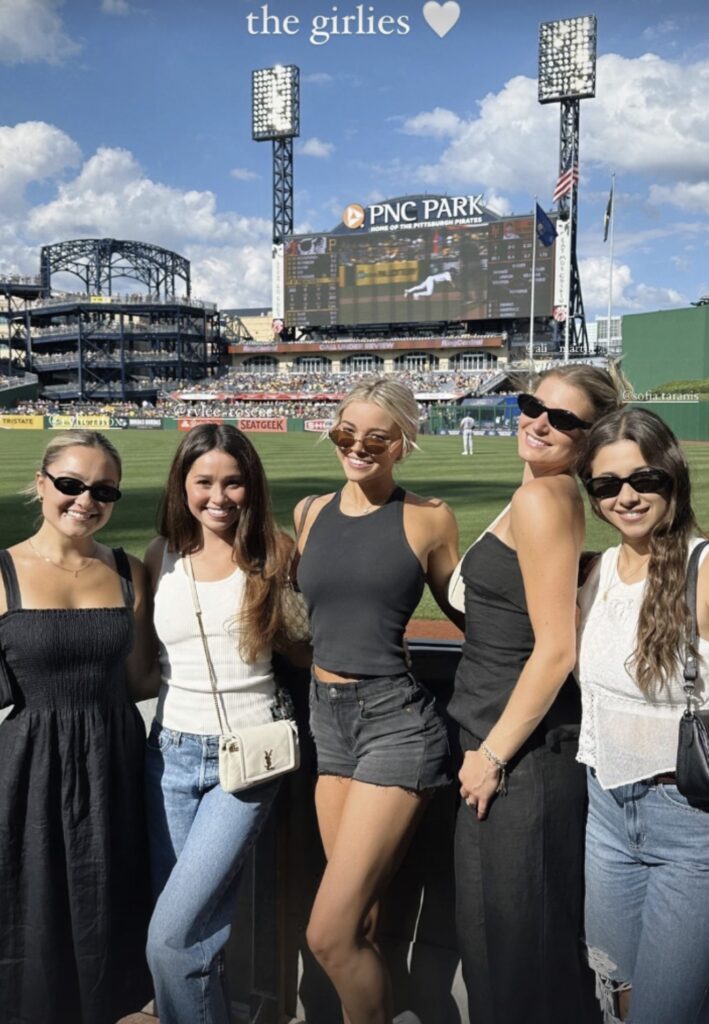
{"x": 703, "y": 599}
{"x": 546, "y": 528}
{"x": 442, "y": 560}
{"x": 298, "y": 654}
{"x": 143, "y": 667}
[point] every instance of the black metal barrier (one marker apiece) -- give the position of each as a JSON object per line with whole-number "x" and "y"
{"x": 271, "y": 974}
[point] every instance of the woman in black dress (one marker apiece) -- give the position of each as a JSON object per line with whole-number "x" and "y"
{"x": 74, "y": 634}
{"x": 519, "y": 842}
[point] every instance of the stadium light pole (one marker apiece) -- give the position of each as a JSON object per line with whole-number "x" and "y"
{"x": 275, "y": 116}
{"x": 567, "y": 75}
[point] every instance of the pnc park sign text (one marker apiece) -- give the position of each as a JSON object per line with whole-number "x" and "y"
{"x": 409, "y": 211}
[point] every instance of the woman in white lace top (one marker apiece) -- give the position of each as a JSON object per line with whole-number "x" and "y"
{"x": 647, "y": 848}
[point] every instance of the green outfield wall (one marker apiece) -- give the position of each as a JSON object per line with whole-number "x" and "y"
{"x": 669, "y": 345}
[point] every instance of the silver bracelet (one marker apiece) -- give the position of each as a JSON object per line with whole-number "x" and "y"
{"x": 492, "y": 756}
{"x": 499, "y": 764}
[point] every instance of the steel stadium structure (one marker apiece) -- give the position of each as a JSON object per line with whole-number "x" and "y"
{"x": 97, "y": 345}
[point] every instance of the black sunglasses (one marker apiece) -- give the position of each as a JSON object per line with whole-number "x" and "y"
{"x": 644, "y": 481}
{"x": 345, "y": 439}
{"x": 560, "y": 419}
{"x": 72, "y": 487}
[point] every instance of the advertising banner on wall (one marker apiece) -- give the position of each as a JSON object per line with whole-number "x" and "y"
{"x": 317, "y": 426}
{"x": 562, "y": 276}
{"x": 277, "y": 425}
{"x": 15, "y": 422}
{"x": 277, "y": 303}
{"x": 61, "y": 421}
{"x": 187, "y": 422}
{"x": 145, "y": 423}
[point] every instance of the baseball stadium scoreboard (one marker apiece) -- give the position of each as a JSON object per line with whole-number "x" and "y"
{"x": 393, "y": 268}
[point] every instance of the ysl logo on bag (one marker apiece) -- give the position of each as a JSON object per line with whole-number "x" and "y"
{"x": 268, "y": 760}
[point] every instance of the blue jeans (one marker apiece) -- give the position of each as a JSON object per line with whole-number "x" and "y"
{"x": 199, "y": 839}
{"x": 647, "y": 902}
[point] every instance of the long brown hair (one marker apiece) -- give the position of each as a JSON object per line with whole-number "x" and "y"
{"x": 663, "y": 623}
{"x": 260, "y": 549}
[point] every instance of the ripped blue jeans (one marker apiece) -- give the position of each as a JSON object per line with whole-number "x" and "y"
{"x": 647, "y": 902}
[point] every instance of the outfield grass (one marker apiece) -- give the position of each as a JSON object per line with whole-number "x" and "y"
{"x": 475, "y": 487}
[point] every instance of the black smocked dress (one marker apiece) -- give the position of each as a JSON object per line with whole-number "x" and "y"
{"x": 74, "y": 890}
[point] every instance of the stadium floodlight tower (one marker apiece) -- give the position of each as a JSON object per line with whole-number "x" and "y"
{"x": 275, "y": 111}
{"x": 567, "y": 75}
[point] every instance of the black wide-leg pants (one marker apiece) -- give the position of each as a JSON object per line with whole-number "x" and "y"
{"x": 519, "y": 893}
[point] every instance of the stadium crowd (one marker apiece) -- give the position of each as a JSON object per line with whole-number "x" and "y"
{"x": 326, "y": 389}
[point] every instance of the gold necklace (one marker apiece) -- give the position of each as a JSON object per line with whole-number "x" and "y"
{"x": 625, "y": 582}
{"x": 46, "y": 558}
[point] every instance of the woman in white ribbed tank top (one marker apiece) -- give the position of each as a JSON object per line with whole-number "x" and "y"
{"x": 647, "y": 848}
{"x": 216, "y": 510}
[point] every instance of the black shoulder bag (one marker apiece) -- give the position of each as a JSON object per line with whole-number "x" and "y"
{"x": 693, "y": 746}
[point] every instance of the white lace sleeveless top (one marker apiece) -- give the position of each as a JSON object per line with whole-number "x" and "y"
{"x": 186, "y": 702}
{"x": 625, "y": 735}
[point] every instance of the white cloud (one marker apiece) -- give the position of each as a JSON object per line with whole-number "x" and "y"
{"x": 628, "y": 297}
{"x": 318, "y": 78}
{"x": 117, "y": 7}
{"x": 649, "y": 117}
{"x": 317, "y": 148}
{"x": 243, "y": 174}
{"x": 32, "y": 30}
{"x": 111, "y": 196}
{"x": 437, "y": 123}
{"x": 685, "y": 195}
{"x": 504, "y": 146}
{"x": 30, "y": 152}
{"x": 663, "y": 28}
{"x": 230, "y": 275}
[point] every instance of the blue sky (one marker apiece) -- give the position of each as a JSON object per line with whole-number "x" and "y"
{"x": 131, "y": 119}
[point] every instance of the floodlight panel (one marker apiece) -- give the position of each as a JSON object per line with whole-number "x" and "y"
{"x": 567, "y": 59}
{"x": 275, "y": 102}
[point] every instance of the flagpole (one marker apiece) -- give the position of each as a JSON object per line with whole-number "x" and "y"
{"x": 534, "y": 281}
{"x": 610, "y": 264}
{"x": 568, "y": 287}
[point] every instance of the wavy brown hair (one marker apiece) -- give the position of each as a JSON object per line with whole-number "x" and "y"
{"x": 663, "y": 624}
{"x": 261, "y": 550}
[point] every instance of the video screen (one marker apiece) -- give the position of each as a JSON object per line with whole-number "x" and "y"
{"x": 467, "y": 272}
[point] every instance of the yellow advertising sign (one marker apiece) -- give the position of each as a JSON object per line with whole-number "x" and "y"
{"x": 11, "y": 422}
{"x": 60, "y": 422}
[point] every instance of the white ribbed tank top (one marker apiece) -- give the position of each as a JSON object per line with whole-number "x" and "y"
{"x": 246, "y": 689}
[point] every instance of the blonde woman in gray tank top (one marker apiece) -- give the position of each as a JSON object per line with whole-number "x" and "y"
{"x": 365, "y": 554}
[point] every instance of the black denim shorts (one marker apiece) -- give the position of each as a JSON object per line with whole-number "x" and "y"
{"x": 384, "y": 730}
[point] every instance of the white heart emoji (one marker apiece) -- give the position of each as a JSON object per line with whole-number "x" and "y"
{"x": 441, "y": 17}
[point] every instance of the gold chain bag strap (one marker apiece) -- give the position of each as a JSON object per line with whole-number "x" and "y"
{"x": 296, "y": 618}
{"x": 258, "y": 753}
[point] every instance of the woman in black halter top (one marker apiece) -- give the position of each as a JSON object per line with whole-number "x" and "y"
{"x": 381, "y": 745}
{"x": 74, "y": 890}
{"x": 520, "y": 829}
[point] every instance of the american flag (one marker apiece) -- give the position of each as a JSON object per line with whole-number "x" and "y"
{"x": 566, "y": 181}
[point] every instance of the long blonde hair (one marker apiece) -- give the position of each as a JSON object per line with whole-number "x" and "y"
{"x": 394, "y": 398}
{"x": 73, "y": 439}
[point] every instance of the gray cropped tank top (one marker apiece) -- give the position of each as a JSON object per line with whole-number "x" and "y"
{"x": 362, "y": 583}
